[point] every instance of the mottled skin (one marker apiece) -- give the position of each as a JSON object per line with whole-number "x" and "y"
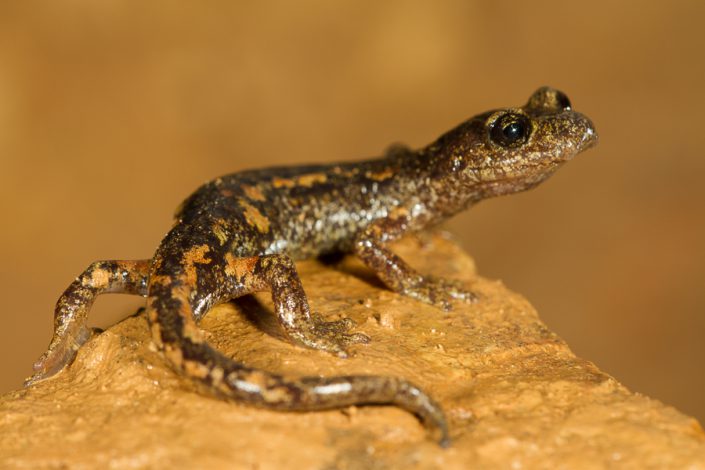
{"x": 242, "y": 232}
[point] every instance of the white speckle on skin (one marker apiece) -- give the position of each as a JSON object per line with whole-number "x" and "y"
{"x": 332, "y": 389}
{"x": 417, "y": 209}
{"x": 248, "y": 387}
{"x": 278, "y": 246}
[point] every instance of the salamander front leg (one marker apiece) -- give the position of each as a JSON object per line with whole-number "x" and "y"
{"x": 71, "y": 313}
{"x": 398, "y": 275}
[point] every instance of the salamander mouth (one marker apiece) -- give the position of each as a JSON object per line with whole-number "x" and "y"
{"x": 511, "y": 183}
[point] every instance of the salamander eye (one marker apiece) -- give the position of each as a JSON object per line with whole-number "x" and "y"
{"x": 510, "y": 130}
{"x": 562, "y": 100}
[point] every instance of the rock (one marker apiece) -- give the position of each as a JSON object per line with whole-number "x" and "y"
{"x": 514, "y": 393}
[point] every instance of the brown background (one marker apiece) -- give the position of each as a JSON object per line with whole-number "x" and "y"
{"x": 112, "y": 112}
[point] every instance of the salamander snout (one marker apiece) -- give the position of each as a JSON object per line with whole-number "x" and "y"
{"x": 590, "y": 137}
{"x": 558, "y": 125}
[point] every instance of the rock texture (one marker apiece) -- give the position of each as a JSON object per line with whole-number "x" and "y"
{"x": 515, "y": 395}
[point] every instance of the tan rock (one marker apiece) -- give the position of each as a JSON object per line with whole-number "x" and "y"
{"x": 515, "y": 395}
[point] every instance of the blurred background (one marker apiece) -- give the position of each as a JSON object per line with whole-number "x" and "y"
{"x": 112, "y": 112}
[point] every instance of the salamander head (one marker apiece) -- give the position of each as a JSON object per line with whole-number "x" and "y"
{"x": 513, "y": 149}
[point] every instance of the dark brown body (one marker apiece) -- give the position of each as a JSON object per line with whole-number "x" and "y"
{"x": 241, "y": 233}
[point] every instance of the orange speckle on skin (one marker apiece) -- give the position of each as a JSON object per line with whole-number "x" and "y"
{"x": 156, "y": 329}
{"x": 398, "y": 213}
{"x": 192, "y": 332}
{"x": 346, "y": 173}
{"x": 219, "y": 229}
{"x": 380, "y": 175}
{"x": 239, "y": 267}
{"x": 276, "y": 394}
{"x": 311, "y": 178}
{"x": 195, "y": 255}
{"x": 160, "y": 279}
{"x": 253, "y": 192}
{"x": 174, "y": 354}
{"x": 217, "y": 374}
{"x": 254, "y": 217}
{"x": 306, "y": 180}
{"x": 100, "y": 278}
{"x": 283, "y": 182}
{"x": 189, "y": 328}
{"x": 196, "y": 369}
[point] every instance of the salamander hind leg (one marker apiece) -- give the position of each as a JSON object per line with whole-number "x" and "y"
{"x": 71, "y": 312}
{"x": 277, "y": 273}
{"x": 187, "y": 281}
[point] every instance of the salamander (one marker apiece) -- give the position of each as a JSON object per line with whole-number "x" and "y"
{"x": 242, "y": 233}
